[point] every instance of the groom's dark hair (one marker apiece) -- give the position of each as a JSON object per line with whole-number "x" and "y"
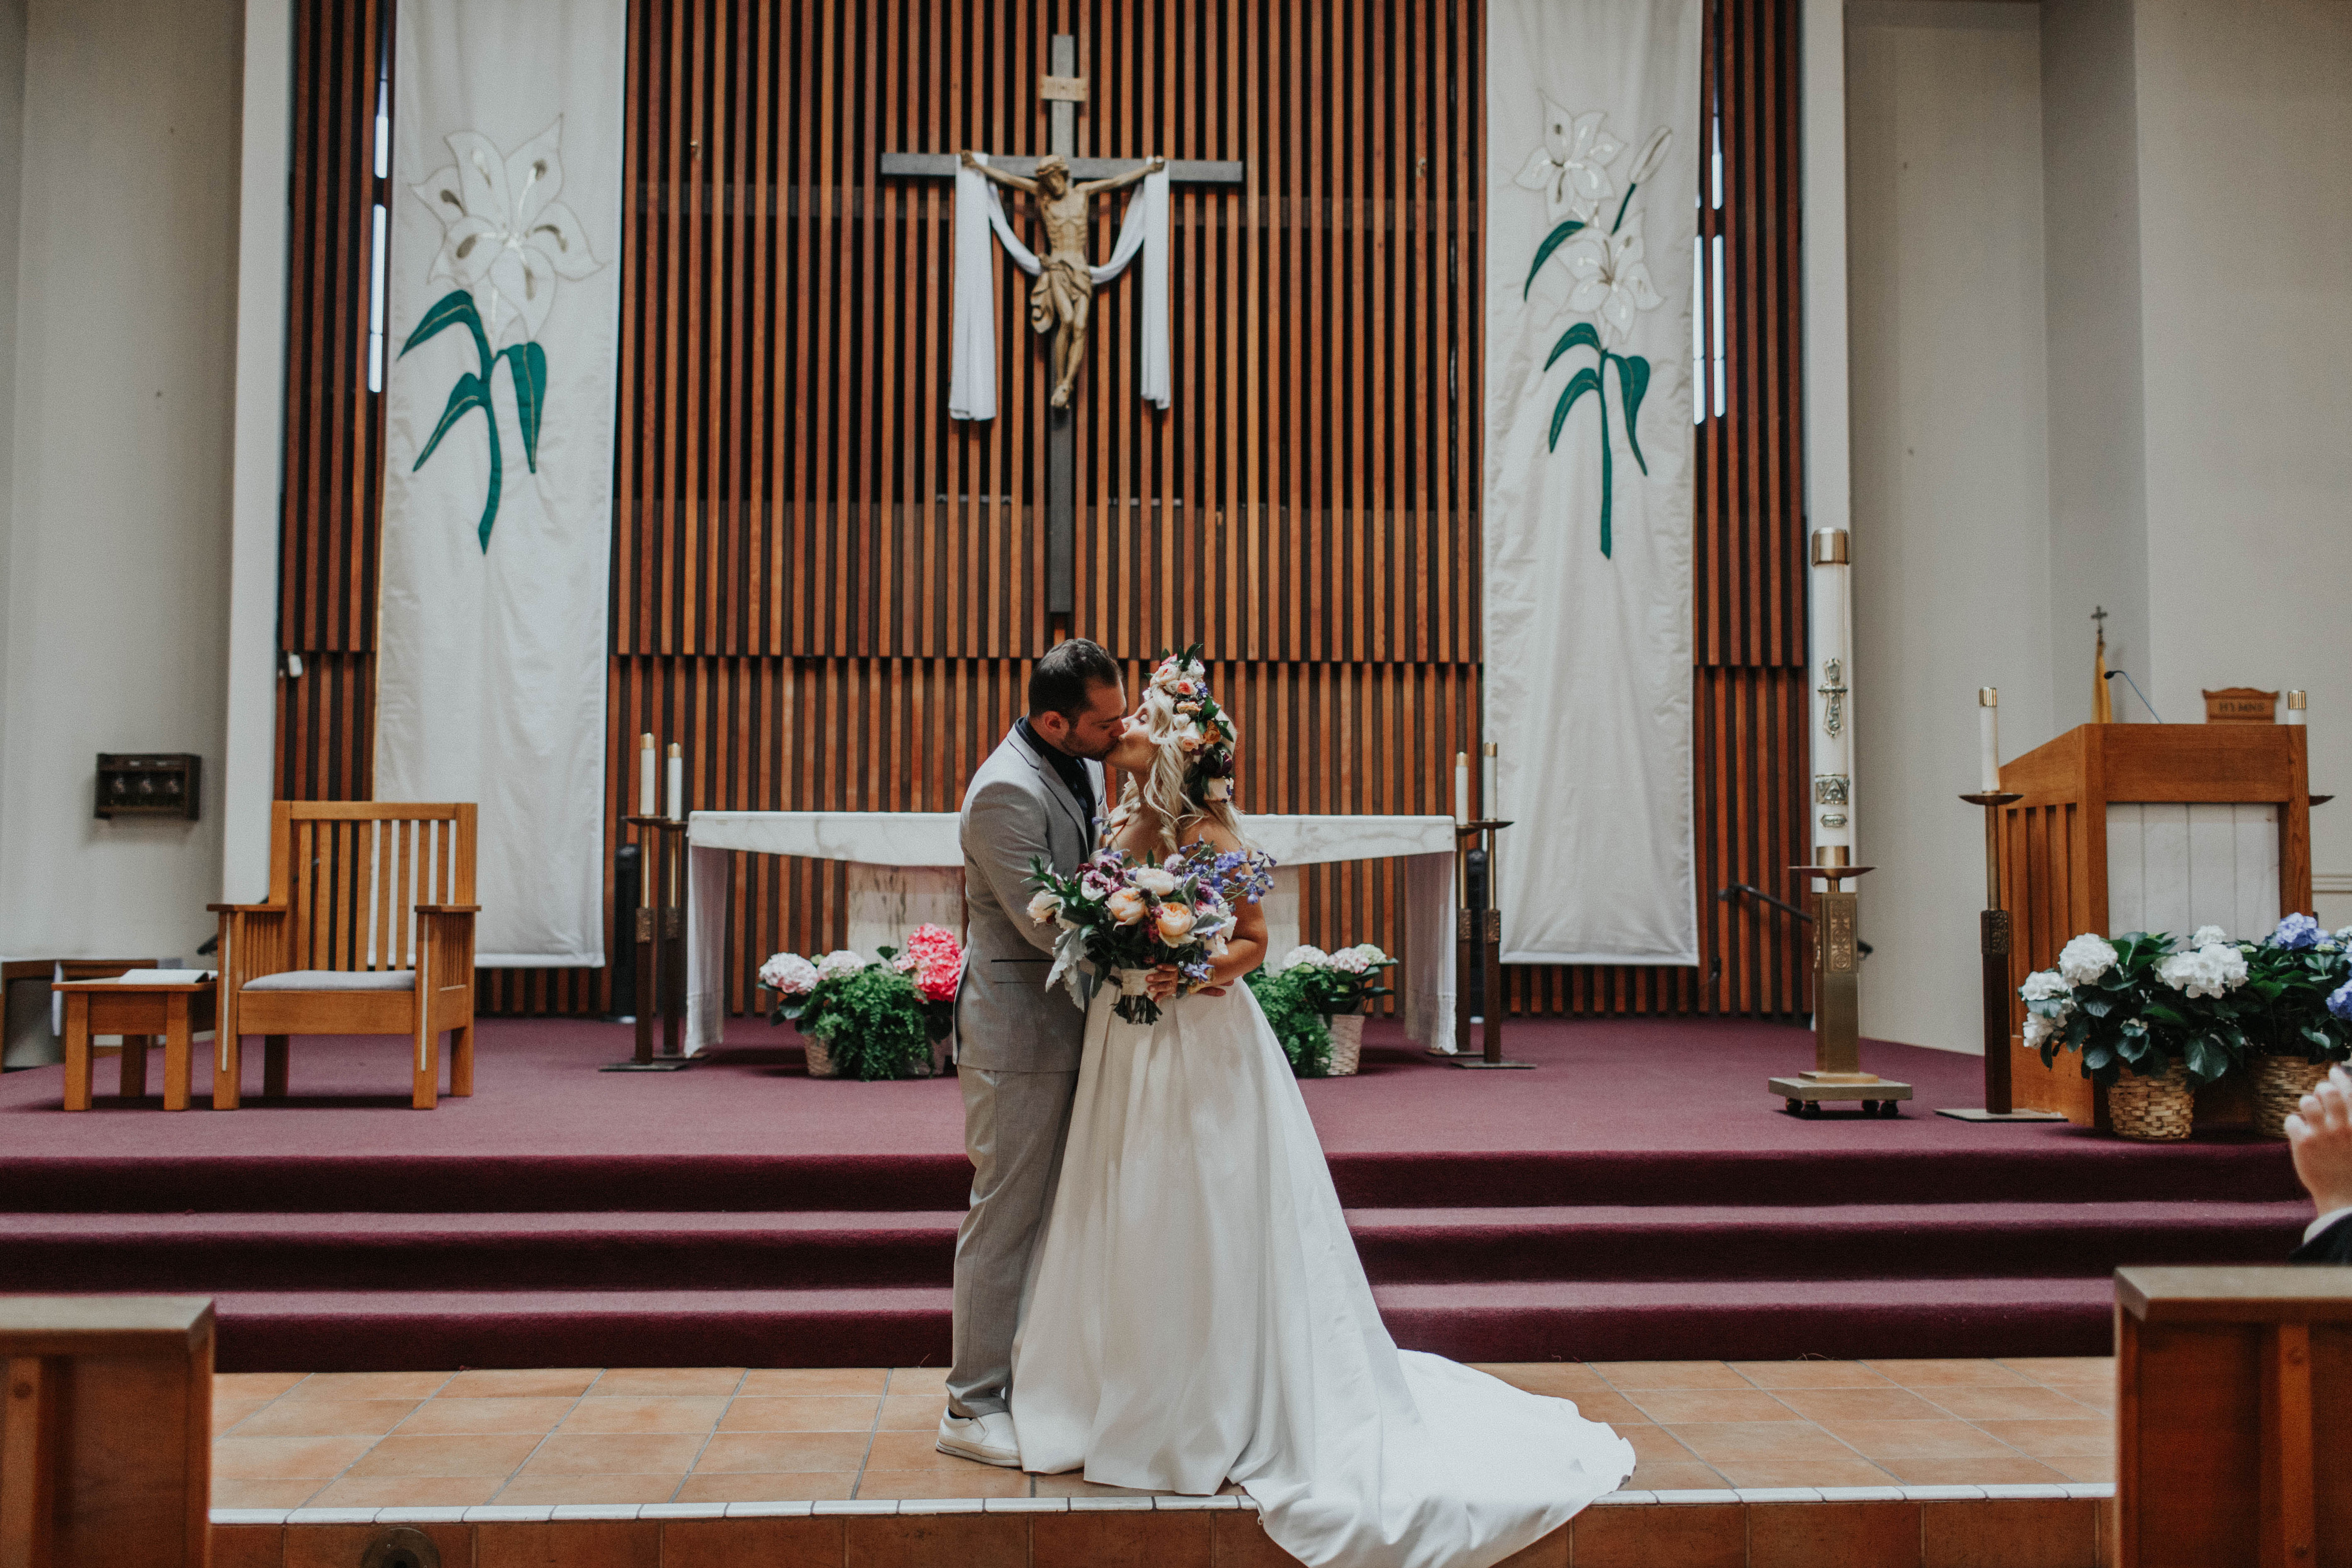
{"x": 1065, "y": 679}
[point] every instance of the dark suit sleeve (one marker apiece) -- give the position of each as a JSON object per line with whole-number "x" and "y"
{"x": 2333, "y": 1245}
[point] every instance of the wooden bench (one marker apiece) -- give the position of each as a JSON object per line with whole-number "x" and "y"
{"x": 2233, "y": 1416}
{"x": 106, "y": 1431}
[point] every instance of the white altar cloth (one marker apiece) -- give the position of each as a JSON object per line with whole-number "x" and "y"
{"x": 906, "y": 867}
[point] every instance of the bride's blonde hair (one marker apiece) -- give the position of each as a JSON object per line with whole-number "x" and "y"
{"x": 1190, "y": 779}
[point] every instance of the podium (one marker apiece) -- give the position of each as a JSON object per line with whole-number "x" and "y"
{"x": 2145, "y": 827}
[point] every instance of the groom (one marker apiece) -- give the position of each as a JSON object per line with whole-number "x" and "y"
{"x": 1039, "y": 795}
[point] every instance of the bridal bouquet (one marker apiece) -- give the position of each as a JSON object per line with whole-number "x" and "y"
{"x": 1122, "y": 918}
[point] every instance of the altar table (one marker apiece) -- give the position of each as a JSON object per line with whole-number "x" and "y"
{"x": 906, "y": 867}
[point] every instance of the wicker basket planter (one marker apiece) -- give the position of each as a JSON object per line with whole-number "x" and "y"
{"x": 1346, "y": 1044}
{"x": 819, "y": 1058}
{"x": 2158, "y": 1109}
{"x": 2280, "y": 1083}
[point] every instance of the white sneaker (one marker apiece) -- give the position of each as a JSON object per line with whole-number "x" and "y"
{"x": 988, "y": 1439}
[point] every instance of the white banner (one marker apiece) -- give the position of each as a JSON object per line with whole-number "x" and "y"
{"x": 501, "y": 348}
{"x": 1593, "y": 120}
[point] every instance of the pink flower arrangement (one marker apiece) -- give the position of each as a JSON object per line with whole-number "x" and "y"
{"x": 935, "y": 959}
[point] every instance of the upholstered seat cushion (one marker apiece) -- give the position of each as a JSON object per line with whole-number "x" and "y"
{"x": 337, "y": 980}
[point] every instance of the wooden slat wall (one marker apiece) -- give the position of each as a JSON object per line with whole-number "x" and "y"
{"x": 829, "y": 592}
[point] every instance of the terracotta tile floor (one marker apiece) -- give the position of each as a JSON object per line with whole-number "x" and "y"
{"x": 725, "y": 1435}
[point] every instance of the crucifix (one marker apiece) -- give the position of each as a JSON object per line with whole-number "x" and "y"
{"x": 1061, "y": 298}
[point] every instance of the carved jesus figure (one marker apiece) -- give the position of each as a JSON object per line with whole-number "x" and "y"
{"x": 1062, "y": 297}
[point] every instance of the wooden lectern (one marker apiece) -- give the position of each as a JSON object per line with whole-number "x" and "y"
{"x": 2145, "y": 827}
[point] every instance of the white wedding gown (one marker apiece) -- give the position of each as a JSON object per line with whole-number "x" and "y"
{"x": 1197, "y": 1311}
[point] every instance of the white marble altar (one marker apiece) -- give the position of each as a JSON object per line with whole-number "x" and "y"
{"x": 906, "y": 867}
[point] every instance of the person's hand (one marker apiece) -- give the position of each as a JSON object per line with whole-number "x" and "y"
{"x": 1157, "y": 164}
{"x": 2319, "y": 1135}
{"x": 968, "y": 161}
{"x": 1161, "y": 985}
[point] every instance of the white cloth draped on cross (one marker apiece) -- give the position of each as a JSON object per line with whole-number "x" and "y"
{"x": 972, "y": 376}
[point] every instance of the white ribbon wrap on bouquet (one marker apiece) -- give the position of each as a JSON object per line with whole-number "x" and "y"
{"x": 971, "y": 369}
{"x": 1591, "y": 167}
{"x": 500, "y": 376}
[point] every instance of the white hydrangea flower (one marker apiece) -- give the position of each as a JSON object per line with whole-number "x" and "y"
{"x": 1349, "y": 961}
{"x": 2085, "y": 959}
{"x": 2044, "y": 985}
{"x": 789, "y": 974}
{"x": 2213, "y": 970}
{"x": 2038, "y": 1029}
{"x": 838, "y": 962}
{"x": 2208, "y": 936}
{"x": 2343, "y": 934}
{"x": 1314, "y": 957}
{"x": 1372, "y": 954}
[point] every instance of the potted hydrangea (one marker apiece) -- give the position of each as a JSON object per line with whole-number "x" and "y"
{"x": 1338, "y": 985}
{"x": 2152, "y": 1016}
{"x": 870, "y": 1020}
{"x": 2303, "y": 976}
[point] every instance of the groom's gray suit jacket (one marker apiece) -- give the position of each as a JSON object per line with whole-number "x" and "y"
{"x": 1016, "y": 809}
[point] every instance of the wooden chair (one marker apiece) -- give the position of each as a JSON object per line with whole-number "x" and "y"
{"x": 368, "y": 929}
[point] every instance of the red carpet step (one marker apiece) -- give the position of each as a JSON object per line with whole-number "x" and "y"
{"x": 1637, "y": 1196}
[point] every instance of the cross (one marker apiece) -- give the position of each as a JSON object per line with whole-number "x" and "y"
{"x": 1835, "y": 689}
{"x": 2099, "y": 619}
{"x": 1064, "y": 89}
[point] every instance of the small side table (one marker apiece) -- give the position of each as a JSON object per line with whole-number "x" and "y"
{"x": 140, "y": 1010}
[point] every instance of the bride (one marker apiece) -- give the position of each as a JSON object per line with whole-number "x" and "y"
{"x": 1197, "y": 1310}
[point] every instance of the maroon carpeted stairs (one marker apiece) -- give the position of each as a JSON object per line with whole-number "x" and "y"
{"x": 1533, "y": 1223}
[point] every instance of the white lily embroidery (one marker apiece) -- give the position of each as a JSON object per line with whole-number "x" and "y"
{"x": 1571, "y": 167}
{"x": 1613, "y": 279}
{"x": 505, "y": 237}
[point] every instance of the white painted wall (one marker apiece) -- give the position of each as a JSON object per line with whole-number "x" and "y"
{"x": 116, "y": 539}
{"x": 2245, "y": 163}
{"x": 1950, "y": 483}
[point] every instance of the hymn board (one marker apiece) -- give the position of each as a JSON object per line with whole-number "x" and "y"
{"x": 1064, "y": 89}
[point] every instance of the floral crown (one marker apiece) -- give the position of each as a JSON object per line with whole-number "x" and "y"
{"x": 1182, "y": 714}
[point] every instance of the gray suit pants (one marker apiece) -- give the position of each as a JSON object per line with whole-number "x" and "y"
{"x": 1015, "y": 1124}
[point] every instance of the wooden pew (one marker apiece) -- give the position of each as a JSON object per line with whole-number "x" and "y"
{"x": 2233, "y": 1416}
{"x": 106, "y": 1431}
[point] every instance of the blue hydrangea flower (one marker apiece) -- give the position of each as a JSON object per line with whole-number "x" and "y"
{"x": 2340, "y": 1002}
{"x": 2296, "y": 934}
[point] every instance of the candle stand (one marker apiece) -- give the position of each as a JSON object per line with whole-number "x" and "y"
{"x": 660, "y": 955}
{"x": 1993, "y": 928}
{"x": 1837, "y": 1072}
{"x": 1479, "y": 944}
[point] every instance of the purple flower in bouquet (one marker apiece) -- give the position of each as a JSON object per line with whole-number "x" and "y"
{"x": 2339, "y": 1001}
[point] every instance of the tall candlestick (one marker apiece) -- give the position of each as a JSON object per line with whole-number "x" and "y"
{"x": 1493, "y": 782}
{"x": 2298, "y": 709}
{"x": 676, "y": 783}
{"x": 646, "y": 775}
{"x": 1989, "y": 738}
{"x": 1830, "y": 638}
{"x": 1461, "y": 787}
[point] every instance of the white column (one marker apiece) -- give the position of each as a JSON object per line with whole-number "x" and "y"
{"x": 247, "y": 768}
{"x": 1829, "y": 492}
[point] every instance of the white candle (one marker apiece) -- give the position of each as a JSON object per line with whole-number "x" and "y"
{"x": 1989, "y": 738}
{"x": 1461, "y": 787}
{"x": 1492, "y": 804}
{"x": 646, "y": 775}
{"x": 2298, "y": 708}
{"x": 676, "y": 783}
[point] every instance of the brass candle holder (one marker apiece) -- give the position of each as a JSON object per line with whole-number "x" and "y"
{"x": 660, "y": 946}
{"x": 1994, "y": 944}
{"x": 1479, "y": 944}
{"x": 1837, "y": 1072}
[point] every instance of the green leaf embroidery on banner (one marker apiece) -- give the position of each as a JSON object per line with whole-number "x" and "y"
{"x": 469, "y": 393}
{"x": 1582, "y": 333}
{"x": 449, "y": 311}
{"x": 1583, "y": 381}
{"x": 1552, "y": 242}
{"x": 1632, "y": 385}
{"x": 527, "y": 367}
